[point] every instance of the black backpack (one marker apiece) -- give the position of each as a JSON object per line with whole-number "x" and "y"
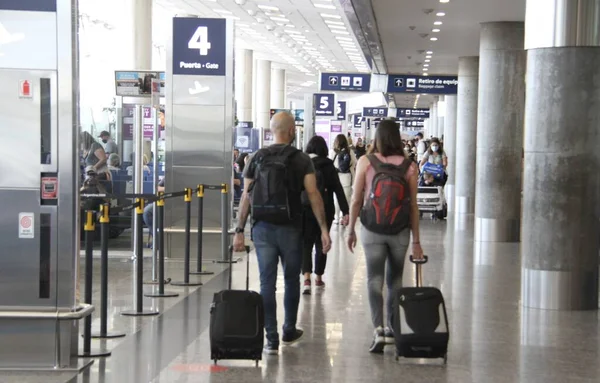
{"x": 344, "y": 161}
{"x": 321, "y": 183}
{"x": 273, "y": 182}
{"x": 387, "y": 210}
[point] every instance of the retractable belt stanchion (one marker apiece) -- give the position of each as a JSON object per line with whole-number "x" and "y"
{"x": 104, "y": 227}
{"x": 160, "y": 231}
{"x": 199, "y": 270}
{"x": 225, "y": 258}
{"x": 89, "y": 228}
{"x": 139, "y": 277}
{"x": 186, "y": 262}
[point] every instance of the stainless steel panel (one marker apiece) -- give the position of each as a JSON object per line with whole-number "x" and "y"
{"x": 497, "y": 230}
{"x": 21, "y": 166}
{"x": 464, "y": 205}
{"x": 449, "y": 192}
{"x": 28, "y": 343}
{"x": 198, "y": 136}
{"x": 562, "y": 23}
{"x": 195, "y": 90}
{"x": 30, "y": 41}
{"x": 559, "y": 290}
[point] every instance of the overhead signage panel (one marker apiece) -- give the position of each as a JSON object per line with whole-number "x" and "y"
{"x": 414, "y": 123}
{"x": 346, "y": 82}
{"x": 402, "y": 83}
{"x": 199, "y": 46}
{"x": 412, "y": 113}
{"x": 138, "y": 83}
{"x": 28, "y": 5}
{"x": 324, "y": 105}
{"x": 341, "y": 110}
{"x": 375, "y": 112}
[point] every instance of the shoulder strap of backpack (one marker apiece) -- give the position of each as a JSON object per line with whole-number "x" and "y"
{"x": 404, "y": 166}
{"x": 374, "y": 161}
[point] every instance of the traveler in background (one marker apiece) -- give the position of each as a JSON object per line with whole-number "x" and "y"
{"x": 238, "y": 176}
{"x": 109, "y": 145}
{"x": 381, "y": 248}
{"x": 277, "y": 233}
{"x": 345, "y": 162}
{"x": 236, "y": 154}
{"x": 146, "y": 167}
{"x": 328, "y": 183}
{"x": 435, "y": 154}
{"x": 421, "y": 147}
{"x": 149, "y": 211}
{"x": 360, "y": 149}
{"x": 114, "y": 162}
{"x": 94, "y": 156}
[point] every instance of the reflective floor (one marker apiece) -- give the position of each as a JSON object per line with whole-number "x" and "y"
{"x": 493, "y": 339}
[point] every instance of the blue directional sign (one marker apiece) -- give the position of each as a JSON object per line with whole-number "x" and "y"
{"x": 28, "y": 5}
{"x": 403, "y": 83}
{"x": 346, "y": 82}
{"x": 412, "y": 112}
{"x": 414, "y": 123}
{"x": 356, "y": 120}
{"x": 375, "y": 112}
{"x": 341, "y": 110}
{"x": 199, "y": 46}
{"x": 324, "y": 105}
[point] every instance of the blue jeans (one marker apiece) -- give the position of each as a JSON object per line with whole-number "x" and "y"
{"x": 273, "y": 242}
{"x": 148, "y": 211}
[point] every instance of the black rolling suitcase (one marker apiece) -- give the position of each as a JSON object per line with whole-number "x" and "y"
{"x": 237, "y": 321}
{"x": 421, "y": 322}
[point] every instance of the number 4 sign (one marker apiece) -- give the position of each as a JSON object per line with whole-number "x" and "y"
{"x": 199, "y": 46}
{"x": 325, "y": 104}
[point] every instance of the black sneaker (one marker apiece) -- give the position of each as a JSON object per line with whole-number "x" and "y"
{"x": 388, "y": 336}
{"x": 378, "y": 341}
{"x": 271, "y": 349}
{"x": 293, "y": 337}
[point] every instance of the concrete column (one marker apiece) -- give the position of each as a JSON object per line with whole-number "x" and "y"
{"x": 561, "y": 195}
{"x": 466, "y": 133}
{"x": 500, "y": 116}
{"x": 141, "y": 33}
{"x": 441, "y": 108}
{"x": 450, "y": 148}
{"x": 278, "y": 85}
{"x": 263, "y": 96}
{"x": 434, "y": 119}
{"x": 243, "y": 84}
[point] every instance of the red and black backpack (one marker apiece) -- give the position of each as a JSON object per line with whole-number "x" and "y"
{"x": 387, "y": 209}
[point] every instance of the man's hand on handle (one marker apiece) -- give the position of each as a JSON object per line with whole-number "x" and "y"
{"x": 417, "y": 251}
{"x": 239, "y": 242}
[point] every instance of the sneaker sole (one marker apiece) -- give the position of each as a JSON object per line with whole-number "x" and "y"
{"x": 378, "y": 347}
{"x": 288, "y": 343}
{"x": 389, "y": 341}
{"x": 271, "y": 352}
{"x": 306, "y": 292}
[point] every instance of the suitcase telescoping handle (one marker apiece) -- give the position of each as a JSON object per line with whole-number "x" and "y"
{"x": 418, "y": 263}
{"x": 247, "y": 266}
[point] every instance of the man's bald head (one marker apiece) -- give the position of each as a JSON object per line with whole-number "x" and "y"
{"x": 283, "y": 127}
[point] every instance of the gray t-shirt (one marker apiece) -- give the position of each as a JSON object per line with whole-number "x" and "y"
{"x": 111, "y": 147}
{"x": 435, "y": 158}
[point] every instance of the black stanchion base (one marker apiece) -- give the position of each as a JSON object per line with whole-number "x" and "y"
{"x": 167, "y": 281}
{"x": 94, "y": 354}
{"x": 232, "y": 261}
{"x": 108, "y": 335}
{"x": 166, "y": 294}
{"x": 134, "y": 313}
{"x": 186, "y": 284}
{"x": 201, "y": 272}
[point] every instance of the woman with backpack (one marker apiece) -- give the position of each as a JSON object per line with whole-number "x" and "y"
{"x": 328, "y": 183}
{"x": 385, "y": 195}
{"x": 345, "y": 162}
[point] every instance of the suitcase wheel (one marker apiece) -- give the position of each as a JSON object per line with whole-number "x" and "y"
{"x": 256, "y": 361}
{"x": 215, "y": 360}
{"x": 446, "y": 358}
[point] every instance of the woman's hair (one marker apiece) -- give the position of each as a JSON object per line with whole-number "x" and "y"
{"x": 388, "y": 141}
{"x": 241, "y": 163}
{"x": 318, "y": 146}
{"x": 145, "y": 159}
{"x": 340, "y": 143}
{"x": 435, "y": 141}
{"x": 86, "y": 140}
{"x": 114, "y": 160}
{"x": 350, "y": 141}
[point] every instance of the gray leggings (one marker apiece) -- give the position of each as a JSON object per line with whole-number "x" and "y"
{"x": 380, "y": 248}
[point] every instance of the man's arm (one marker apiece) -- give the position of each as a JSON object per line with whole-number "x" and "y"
{"x": 316, "y": 202}
{"x": 244, "y": 209}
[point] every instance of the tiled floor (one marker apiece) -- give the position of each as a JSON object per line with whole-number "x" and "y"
{"x": 493, "y": 339}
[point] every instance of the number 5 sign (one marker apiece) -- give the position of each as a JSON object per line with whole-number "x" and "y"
{"x": 324, "y": 104}
{"x": 199, "y": 46}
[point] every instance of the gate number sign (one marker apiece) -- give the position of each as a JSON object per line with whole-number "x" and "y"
{"x": 199, "y": 46}
{"x": 325, "y": 104}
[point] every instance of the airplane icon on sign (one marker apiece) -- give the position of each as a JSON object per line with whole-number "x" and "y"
{"x": 398, "y": 82}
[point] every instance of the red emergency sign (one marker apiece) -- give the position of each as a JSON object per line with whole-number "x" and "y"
{"x": 25, "y": 89}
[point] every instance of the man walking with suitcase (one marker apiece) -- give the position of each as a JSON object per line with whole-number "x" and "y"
{"x": 274, "y": 180}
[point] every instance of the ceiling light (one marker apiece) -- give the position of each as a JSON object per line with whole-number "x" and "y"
{"x": 429, "y": 52}
{"x": 330, "y": 16}
{"x": 324, "y": 6}
{"x": 260, "y": 20}
{"x": 290, "y": 26}
{"x": 437, "y": 22}
{"x": 428, "y": 56}
{"x": 340, "y": 32}
{"x": 337, "y": 27}
{"x": 343, "y": 38}
{"x": 434, "y": 39}
{"x": 427, "y": 61}
{"x": 440, "y": 14}
{"x": 293, "y": 32}
{"x": 444, "y": 1}
{"x": 350, "y": 49}
{"x": 425, "y": 65}
{"x": 282, "y": 19}
{"x": 334, "y": 22}
{"x": 222, "y": 11}
{"x": 425, "y": 69}
{"x": 268, "y": 7}
{"x": 435, "y": 30}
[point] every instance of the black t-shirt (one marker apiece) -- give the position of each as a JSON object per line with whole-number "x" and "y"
{"x": 300, "y": 166}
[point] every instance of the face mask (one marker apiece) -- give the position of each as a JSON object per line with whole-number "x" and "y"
{"x": 434, "y": 148}
{"x": 104, "y": 140}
